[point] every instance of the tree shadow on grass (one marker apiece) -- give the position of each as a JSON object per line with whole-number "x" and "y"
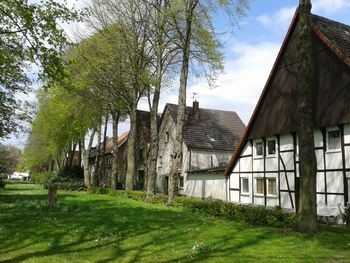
{"x": 126, "y": 230}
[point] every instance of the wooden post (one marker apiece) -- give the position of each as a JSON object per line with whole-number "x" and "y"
{"x": 52, "y": 195}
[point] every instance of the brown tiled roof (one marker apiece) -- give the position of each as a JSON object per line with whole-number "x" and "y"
{"x": 121, "y": 139}
{"x": 275, "y": 111}
{"x": 215, "y": 129}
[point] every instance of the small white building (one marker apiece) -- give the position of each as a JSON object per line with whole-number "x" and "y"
{"x": 19, "y": 176}
{"x": 264, "y": 168}
{"x": 209, "y": 138}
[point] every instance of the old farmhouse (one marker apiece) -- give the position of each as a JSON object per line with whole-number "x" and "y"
{"x": 209, "y": 137}
{"x": 264, "y": 168}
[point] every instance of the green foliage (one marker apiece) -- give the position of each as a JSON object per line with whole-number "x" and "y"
{"x": 42, "y": 178}
{"x": 73, "y": 172}
{"x": 9, "y": 159}
{"x": 29, "y": 33}
{"x": 346, "y": 214}
{"x": 255, "y": 215}
{"x": 66, "y": 183}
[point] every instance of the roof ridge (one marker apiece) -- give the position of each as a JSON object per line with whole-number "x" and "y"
{"x": 190, "y": 107}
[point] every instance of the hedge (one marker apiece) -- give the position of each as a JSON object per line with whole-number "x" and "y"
{"x": 67, "y": 184}
{"x": 255, "y": 215}
{"x": 41, "y": 178}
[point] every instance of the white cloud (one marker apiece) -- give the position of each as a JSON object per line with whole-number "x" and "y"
{"x": 239, "y": 88}
{"x": 329, "y": 6}
{"x": 279, "y": 19}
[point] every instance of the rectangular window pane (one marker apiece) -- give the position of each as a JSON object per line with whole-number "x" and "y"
{"x": 245, "y": 185}
{"x": 333, "y": 140}
{"x": 259, "y": 185}
{"x": 271, "y": 145}
{"x": 259, "y": 148}
{"x": 272, "y": 187}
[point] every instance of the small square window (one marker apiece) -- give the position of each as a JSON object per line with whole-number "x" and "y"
{"x": 271, "y": 186}
{"x": 271, "y": 147}
{"x": 334, "y": 140}
{"x": 181, "y": 182}
{"x": 260, "y": 185}
{"x": 259, "y": 149}
{"x": 167, "y": 136}
{"x": 245, "y": 185}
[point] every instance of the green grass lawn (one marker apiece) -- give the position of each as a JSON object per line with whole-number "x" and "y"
{"x": 100, "y": 228}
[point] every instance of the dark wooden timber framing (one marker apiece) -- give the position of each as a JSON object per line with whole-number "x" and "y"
{"x": 264, "y": 157}
{"x": 279, "y": 168}
{"x": 324, "y": 140}
{"x": 252, "y": 147}
{"x": 287, "y": 181}
{"x": 296, "y": 191}
{"x": 345, "y": 182}
{"x": 239, "y": 183}
{"x": 329, "y": 48}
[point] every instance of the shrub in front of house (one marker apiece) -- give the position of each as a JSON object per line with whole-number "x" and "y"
{"x": 67, "y": 184}
{"x": 2, "y": 183}
{"x": 72, "y": 172}
{"x": 41, "y": 178}
{"x": 255, "y": 215}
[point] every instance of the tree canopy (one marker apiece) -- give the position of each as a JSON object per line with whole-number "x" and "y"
{"x": 30, "y": 33}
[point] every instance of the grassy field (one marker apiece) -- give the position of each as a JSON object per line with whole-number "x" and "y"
{"x": 99, "y": 228}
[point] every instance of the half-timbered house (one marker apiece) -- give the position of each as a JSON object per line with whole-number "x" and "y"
{"x": 264, "y": 168}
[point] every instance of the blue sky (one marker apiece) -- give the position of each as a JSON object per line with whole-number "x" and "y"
{"x": 249, "y": 55}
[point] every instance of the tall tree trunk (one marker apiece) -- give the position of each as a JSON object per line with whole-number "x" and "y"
{"x": 131, "y": 150}
{"x": 102, "y": 171}
{"x": 80, "y": 153}
{"x": 71, "y": 154}
{"x": 180, "y": 120}
{"x": 95, "y": 172}
{"x": 114, "y": 174}
{"x": 152, "y": 158}
{"x": 307, "y": 214}
{"x": 86, "y": 153}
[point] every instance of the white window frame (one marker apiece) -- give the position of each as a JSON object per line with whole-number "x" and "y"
{"x": 245, "y": 193}
{"x": 267, "y": 147}
{"x": 327, "y": 140}
{"x": 255, "y": 150}
{"x": 267, "y": 186}
{"x": 256, "y": 178}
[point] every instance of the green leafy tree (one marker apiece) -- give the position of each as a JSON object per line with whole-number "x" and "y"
{"x": 9, "y": 159}
{"x": 192, "y": 20}
{"x": 29, "y": 33}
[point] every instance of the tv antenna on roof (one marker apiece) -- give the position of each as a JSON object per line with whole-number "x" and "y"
{"x": 195, "y": 96}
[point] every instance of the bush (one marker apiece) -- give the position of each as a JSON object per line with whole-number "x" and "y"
{"x": 255, "y": 215}
{"x": 73, "y": 172}
{"x": 66, "y": 184}
{"x": 2, "y": 183}
{"x": 41, "y": 178}
{"x": 99, "y": 190}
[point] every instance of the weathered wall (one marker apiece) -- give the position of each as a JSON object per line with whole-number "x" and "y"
{"x": 206, "y": 185}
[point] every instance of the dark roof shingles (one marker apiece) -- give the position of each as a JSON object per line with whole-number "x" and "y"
{"x": 337, "y": 33}
{"x": 215, "y": 129}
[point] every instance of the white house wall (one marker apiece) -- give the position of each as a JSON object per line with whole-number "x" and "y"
{"x": 333, "y": 172}
{"x": 206, "y": 185}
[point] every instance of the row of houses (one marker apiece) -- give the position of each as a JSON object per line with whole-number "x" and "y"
{"x": 263, "y": 169}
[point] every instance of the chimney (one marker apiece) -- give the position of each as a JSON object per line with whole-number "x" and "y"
{"x": 195, "y": 110}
